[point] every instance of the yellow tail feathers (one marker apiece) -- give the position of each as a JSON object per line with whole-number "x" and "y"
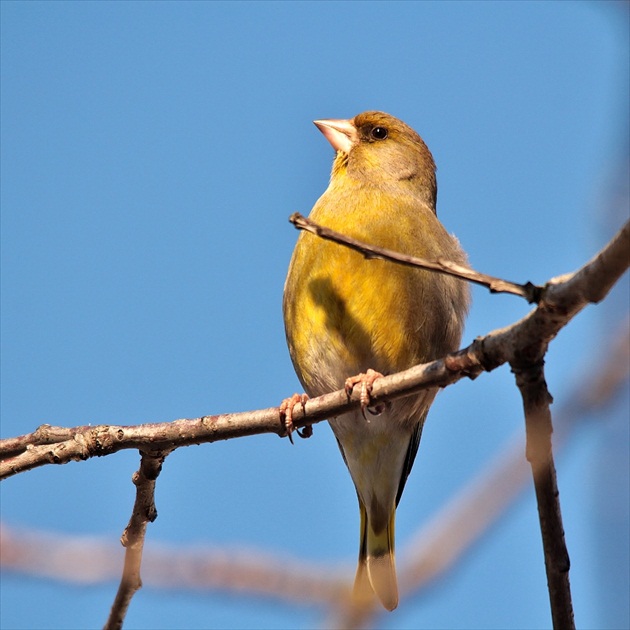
{"x": 377, "y": 568}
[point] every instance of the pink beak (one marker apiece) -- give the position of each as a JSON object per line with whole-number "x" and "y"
{"x": 342, "y": 134}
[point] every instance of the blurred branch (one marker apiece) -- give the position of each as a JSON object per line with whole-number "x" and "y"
{"x": 523, "y": 343}
{"x": 432, "y": 551}
{"x": 90, "y": 560}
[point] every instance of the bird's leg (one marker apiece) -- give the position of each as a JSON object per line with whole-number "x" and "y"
{"x": 286, "y": 416}
{"x": 367, "y": 381}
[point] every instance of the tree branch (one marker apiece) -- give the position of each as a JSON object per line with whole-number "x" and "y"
{"x": 529, "y": 291}
{"x": 439, "y": 544}
{"x": 144, "y": 512}
{"x": 522, "y": 343}
{"x": 536, "y": 401}
{"x": 432, "y": 550}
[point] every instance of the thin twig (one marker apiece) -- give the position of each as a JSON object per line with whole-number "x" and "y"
{"x": 144, "y": 512}
{"x": 529, "y": 291}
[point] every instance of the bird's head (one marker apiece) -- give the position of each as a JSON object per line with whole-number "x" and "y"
{"x": 377, "y": 149}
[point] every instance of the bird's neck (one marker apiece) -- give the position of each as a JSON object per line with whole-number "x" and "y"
{"x": 347, "y": 183}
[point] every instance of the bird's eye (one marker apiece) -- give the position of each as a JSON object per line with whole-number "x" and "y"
{"x": 379, "y": 133}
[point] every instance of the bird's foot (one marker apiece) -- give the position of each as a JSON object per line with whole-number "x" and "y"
{"x": 366, "y": 380}
{"x": 286, "y": 416}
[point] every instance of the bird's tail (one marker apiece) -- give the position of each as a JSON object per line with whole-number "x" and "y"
{"x": 377, "y": 568}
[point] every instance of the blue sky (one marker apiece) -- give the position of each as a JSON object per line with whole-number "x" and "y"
{"x": 151, "y": 154}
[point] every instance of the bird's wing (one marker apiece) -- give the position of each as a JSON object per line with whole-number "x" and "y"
{"x": 410, "y": 457}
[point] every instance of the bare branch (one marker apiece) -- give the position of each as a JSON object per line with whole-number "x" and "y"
{"x": 144, "y": 512}
{"x": 432, "y": 551}
{"x": 522, "y": 343}
{"x": 536, "y": 401}
{"x": 44, "y": 434}
{"x": 441, "y": 542}
{"x": 529, "y": 291}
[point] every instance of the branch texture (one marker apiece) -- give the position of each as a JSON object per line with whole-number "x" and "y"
{"x": 522, "y": 343}
{"x": 144, "y": 512}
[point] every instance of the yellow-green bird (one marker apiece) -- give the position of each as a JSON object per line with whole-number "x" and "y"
{"x": 347, "y": 316}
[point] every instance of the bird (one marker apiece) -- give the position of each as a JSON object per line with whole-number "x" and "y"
{"x": 350, "y": 320}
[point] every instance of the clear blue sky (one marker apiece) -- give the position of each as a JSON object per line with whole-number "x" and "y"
{"x": 151, "y": 154}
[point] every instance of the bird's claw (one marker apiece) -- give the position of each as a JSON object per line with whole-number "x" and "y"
{"x": 366, "y": 380}
{"x": 286, "y": 416}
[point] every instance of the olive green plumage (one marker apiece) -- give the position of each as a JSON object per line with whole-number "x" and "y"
{"x": 345, "y": 314}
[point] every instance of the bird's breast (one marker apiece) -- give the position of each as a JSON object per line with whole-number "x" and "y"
{"x": 345, "y": 314}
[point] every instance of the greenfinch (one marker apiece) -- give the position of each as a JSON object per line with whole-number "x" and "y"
{"x": 350, "y": 320}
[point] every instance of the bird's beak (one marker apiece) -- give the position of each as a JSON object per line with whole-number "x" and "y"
{"x": 342, "y": 134}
